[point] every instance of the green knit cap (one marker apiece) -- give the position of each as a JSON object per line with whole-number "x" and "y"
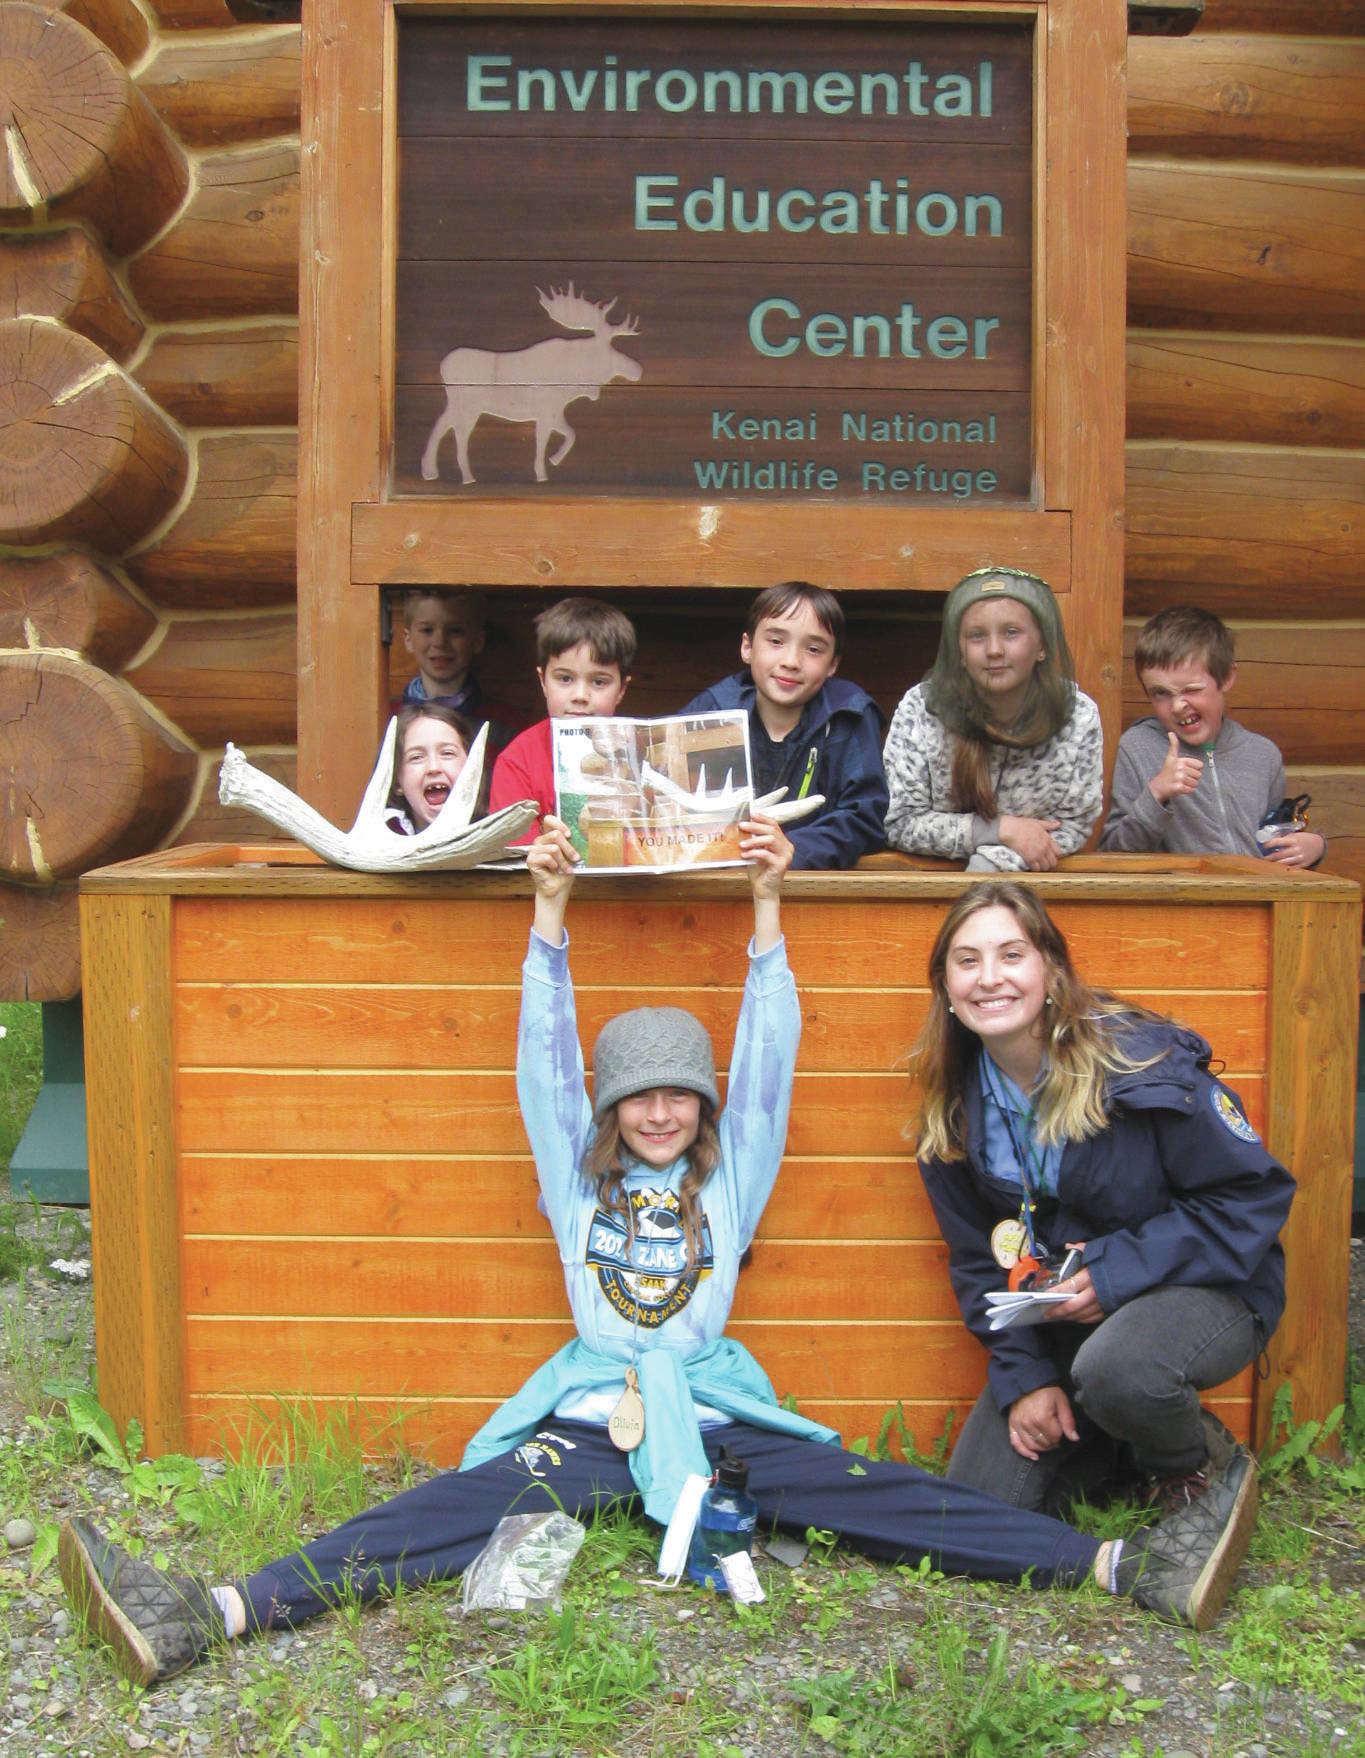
{"x": 948, "y": 691}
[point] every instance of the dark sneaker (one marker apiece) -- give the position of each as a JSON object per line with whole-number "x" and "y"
{"x": 1183, "y": 1569}
{"x": 1221, "y": 1442}
{"x": 1169, "y": 1494}
{"x": 157, "y": 1624}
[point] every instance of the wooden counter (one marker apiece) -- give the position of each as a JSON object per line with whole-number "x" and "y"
{"x": 309, "y": 1181}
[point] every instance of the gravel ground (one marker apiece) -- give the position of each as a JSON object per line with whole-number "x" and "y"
{"x": 61, "y": 1696}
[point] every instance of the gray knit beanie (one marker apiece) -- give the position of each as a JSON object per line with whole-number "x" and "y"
{"x": 652, "y": 1047}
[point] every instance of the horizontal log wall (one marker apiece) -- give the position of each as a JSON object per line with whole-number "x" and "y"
{"x": 1246, "y": 372}
{"x": 1246, "y": 384}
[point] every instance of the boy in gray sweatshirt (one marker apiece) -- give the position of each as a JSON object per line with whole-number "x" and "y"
{"x": 1187, "y": 779}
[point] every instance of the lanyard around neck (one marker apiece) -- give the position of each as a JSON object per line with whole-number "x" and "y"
{"x": 1026, "y": 1155}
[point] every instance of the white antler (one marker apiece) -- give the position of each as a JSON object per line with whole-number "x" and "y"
{"x": 369, "y": 846}
{"x": 789, "y": 810}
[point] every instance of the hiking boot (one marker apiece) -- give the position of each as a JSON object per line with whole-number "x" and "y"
{"x": 1183, "y": 1569}
{"x": 1169, "y": 1494}
{"x": 156, "y": 1624}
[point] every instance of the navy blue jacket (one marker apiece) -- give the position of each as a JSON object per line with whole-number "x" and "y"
{"x": 1177, "y": 1190}
{"x": 844, "y": 727}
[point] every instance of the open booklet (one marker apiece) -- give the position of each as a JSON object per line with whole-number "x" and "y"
{"x": 1024, "y": 1308}
{"x": 657, "y": 794}
{"x": 1031, "y": 1306}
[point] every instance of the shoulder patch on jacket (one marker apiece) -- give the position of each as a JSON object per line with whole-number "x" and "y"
{"x": 1229, "y": 1114}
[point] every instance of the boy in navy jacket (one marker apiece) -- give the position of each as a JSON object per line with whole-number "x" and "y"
{"x": 809, "y": 731}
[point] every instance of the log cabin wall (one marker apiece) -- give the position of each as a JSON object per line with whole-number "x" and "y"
{"x": 148, "y": 430}
{"x": 148, "y": 435}
{"x": 1246, "y": 372}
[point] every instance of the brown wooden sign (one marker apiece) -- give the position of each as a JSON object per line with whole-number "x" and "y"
{"x": 712, "y": 258}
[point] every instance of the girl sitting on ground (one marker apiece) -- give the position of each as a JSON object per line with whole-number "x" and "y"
{"x": 996, "y": 758}
{"x": 653, "y": 1192}
{"x": 1053, "y": 1118}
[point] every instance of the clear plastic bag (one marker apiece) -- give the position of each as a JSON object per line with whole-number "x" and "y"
{"x": 523, "y": 1565}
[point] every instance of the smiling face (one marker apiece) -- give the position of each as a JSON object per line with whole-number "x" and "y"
{"x": 1188, "y": 700}
{"x": 790, "y": 658}
{"x": 444, "y": 637}
{"x": 996, "y": 980}
{"x": 660, "y": 1124}
{"x": 432, "y": 757}
{"x": 578, "y": 684}
{"x": 1000, "y": 644}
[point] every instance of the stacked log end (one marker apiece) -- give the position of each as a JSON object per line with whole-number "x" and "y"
{"x": 1246, "y": 371}
{"x": 148, "y": 437}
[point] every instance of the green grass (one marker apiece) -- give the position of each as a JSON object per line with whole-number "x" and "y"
{"x": 21, "y": 1072}
{"x": 844, "y": 1658}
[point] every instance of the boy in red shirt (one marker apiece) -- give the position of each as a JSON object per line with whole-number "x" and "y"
{"x": 584, "y": 652}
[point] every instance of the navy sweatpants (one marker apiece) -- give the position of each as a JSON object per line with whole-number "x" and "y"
{"x": 879, "y": 1507}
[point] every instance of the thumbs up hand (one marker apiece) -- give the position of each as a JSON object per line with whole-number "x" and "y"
{"x": 1177, "y": 775}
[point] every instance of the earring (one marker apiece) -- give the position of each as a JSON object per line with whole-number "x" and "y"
{"x": 1047, "y": 1001}
{"x": 952, "y": 1010}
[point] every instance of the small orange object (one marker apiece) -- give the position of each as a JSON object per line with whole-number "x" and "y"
{"x": 1024, "y": 1267}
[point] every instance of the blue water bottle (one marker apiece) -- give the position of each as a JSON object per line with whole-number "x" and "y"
{"x": 725, "y": 1522}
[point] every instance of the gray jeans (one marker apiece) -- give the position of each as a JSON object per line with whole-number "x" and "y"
{"x": 1133, "y": 1382}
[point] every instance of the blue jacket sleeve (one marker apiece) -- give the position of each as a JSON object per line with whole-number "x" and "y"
{"x": 753, "y": 1125}
{"x": 1230, "y": 1200}
{"x": 550, "y": 1085}
{"x": 1019, "y": 1361}
{"x": 852, "y": 821}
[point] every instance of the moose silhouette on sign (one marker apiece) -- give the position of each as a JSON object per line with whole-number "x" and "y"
{"x": 532, "y": 384}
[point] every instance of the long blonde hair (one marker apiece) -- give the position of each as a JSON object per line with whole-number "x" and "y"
{"x": 1078, "y": 1036}
{"x": 604, "y": 1168}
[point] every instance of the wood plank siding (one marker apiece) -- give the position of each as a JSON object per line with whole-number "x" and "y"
{"x": 341, "y": 1196}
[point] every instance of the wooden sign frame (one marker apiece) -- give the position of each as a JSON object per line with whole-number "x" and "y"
{"x": 356, "y": 536}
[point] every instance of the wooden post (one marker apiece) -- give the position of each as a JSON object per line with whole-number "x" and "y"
{"x": 1309, "y": 1108}
{"x": 135, "y": 1216}
{"x": 342, "y": 671}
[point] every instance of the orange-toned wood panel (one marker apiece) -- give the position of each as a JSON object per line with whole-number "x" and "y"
{"x": 1309, "y": 1126}
{"x": 134, "y": 1218}
{"x": 440, "y": 1028}
{"x": 404, "y": 939}
{"x": 403, "y": 1112}
{"x": 817, "y": 1197}
{"x": 368, "y": 1357}
{"x": 523, "y": 1279}
{"x": 443, "y": 1358}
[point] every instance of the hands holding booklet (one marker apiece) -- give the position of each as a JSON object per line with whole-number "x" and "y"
{"x": 1033, "y": 1305}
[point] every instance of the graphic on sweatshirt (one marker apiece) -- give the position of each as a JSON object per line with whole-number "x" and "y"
{"x": 648, "y": 1274}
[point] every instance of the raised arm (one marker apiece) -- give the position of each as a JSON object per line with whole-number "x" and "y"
{"x": 552, "y": 861}
{"x": 550, "y": 1086}
{"x": 768, "y": 850}
{"x": 753, "y": 1125}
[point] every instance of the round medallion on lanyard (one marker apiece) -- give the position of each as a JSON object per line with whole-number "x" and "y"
{"x": 1008, "y": 1239}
